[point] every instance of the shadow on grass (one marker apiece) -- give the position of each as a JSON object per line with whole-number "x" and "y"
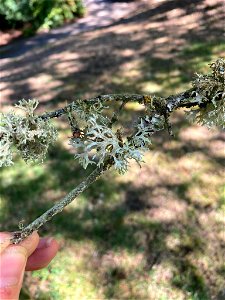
{"x": 152, "y": 56}
{"x": 115, "y": 224}
{"x": 106, "y": 220}
{"x": 158, "y": 56}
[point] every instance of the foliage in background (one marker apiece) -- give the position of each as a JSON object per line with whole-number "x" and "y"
{"x": 35, "y": 14}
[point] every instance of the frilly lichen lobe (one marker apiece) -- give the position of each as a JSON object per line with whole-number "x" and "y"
{"x": 209, "y": 90}
{"x": 26, "y": 134}
{"x": 31, "y": 135}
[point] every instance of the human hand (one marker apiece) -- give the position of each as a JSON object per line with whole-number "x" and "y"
{"x": 29, "y": 255}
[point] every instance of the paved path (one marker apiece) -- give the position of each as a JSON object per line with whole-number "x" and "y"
{"x": 137, "y": 46}
{"x": 100, "y": 13}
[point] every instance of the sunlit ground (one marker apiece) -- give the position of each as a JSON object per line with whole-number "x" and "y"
{"x": 156, "y": 232}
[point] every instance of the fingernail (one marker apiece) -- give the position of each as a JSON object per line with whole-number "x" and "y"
{"x": 48, "y": 242}
{"x": 12, "y": 265}
{"x": 44, "y": 243}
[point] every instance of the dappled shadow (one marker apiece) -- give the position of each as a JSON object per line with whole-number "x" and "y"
{"x": 167, "y": 213}
{"x": 99, "y": 13}
{"x": 192, "y": 139}
{"x": 156, "y": 49}
{"x": 156, "y": 215}
{"x": 27, "y": 196}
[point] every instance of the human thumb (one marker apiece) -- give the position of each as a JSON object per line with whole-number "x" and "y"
{"x": 13, "y": 260}
{"x": 12, "y": 266}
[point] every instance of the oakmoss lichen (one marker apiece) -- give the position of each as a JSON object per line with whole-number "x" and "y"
{"x": 94, "y": 138}
{"x": 101, "y": 143}
{"x": 27, "y": 134}
{"x": 210, "y": 93}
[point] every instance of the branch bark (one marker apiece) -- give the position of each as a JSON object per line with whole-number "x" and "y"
{"x": 184, "y": 99}
{"x": 173, "y": 102}
{"x": 59, "y": 206}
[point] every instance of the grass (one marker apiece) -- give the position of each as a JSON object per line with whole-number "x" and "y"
{"x": 128, "y": 236}
{"x": 154, "y": 233}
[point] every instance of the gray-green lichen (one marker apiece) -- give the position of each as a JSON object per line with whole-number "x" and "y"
{"x": 26, "y": 134}
{"x": 100, "y": 143}
{"x": 94, "y": 138}
{"x": 210, "y": 93}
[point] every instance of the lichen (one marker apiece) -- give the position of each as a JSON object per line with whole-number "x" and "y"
{"x": 82, "y": 110}
{"x": 209, "y": 91}
{"x": 101, "y": 143}
{"x": 93, "y": 136}
{"x": 26, "y": 134}
{"x": 213, "y": 114}
{"x": 211, "y": 86}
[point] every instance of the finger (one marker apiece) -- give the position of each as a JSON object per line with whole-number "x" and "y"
{"x": 45, "y": 252}
{"x": 12, "y": 265}
{"x": 30, "y": 243}
{"x": 4, "y": 240}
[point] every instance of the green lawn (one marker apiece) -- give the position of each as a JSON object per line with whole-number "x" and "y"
{"x": 156, "y": 232}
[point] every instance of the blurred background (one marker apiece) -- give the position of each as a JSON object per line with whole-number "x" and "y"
{"x": 156, "y": 232}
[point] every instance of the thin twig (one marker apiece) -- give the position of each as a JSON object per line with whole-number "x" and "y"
{"x": 184, "y": 99}
{"x": 59, "y": 206}
{"x": 115, "y": 116}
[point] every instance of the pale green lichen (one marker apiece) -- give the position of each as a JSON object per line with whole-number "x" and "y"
{"x": 82, "y": 110}
{"x": 100, "y": 142}
{"x": 26, "y": 134}
{"x": 94, "y": 139}
{"x": 210, "y": 93}
{"x": 213, "y": 114}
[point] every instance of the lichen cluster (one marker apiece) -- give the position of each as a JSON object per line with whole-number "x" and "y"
{"x": 210, "y": 93}
{"x": 94, "y": 137}
{"x": 26, "y": 134}
{"x": 99, "y": 143}
{"x": 83, "y": 110}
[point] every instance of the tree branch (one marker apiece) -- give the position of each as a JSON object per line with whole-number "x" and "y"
{"x": 184, "y": 99}
{"x": 171, "y": 103}
{"x": 59, "y": 206}
{"x": 207, "y": 89}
